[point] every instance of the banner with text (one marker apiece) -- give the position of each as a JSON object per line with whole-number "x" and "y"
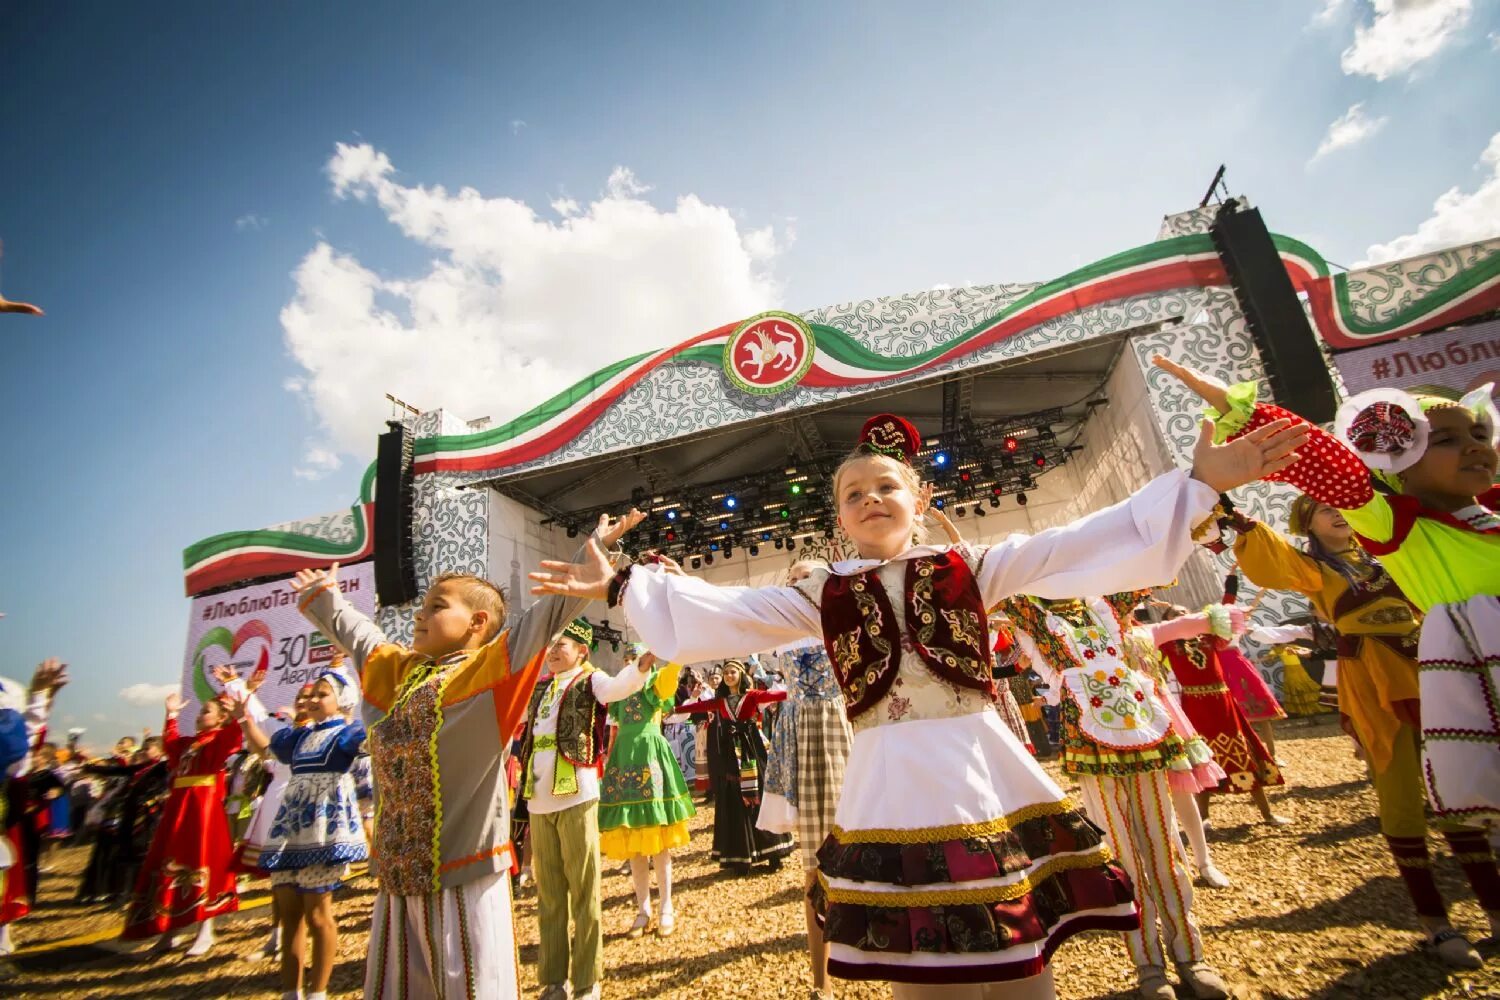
{"x": 259, "y": 628}
{"x": 1457, "y": 360}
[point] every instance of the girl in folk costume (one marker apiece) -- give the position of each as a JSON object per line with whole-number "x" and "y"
{"x": 1379, "y": 696}
{"x": 1434, "y": 529}
{"x": 1119, "y": 742}
{"x": 1141, "y": 653}
{"x": 23, "y": 728}
{"x": 735, "y": 741}
{"x": 1246, "y": 685}
{"x": 809, "y": 751}
{"x": 1191, "y": 645}
{"x": 955, "y": 866}
{"x": 440, "y": 715}
{"x": 644, "y": 804}
{"x": 188, "y": 875}
{"x": 258, "y": 836}
{"x": 318, "y": 830}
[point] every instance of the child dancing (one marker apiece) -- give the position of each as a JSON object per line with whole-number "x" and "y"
{"x": 440, "y": 717}
{"x": 1432, "y": 526}
{"x": 317, "y": 832}
{"x": 955, "y": 866}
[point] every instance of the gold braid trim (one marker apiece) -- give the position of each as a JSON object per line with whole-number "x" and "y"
{"x": 952, "y": 897}
{"x": 1201, "y": 689}
{"x": 957, "y": 831}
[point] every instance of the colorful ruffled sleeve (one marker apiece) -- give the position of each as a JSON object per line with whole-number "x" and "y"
{"x": 1327, "y": 471}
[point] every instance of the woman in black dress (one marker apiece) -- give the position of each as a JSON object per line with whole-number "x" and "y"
{"x": 736, "y": 746}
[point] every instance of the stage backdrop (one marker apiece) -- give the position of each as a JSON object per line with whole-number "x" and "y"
{"x": 260, "y": 628}
{"x": 1458, "y": 360}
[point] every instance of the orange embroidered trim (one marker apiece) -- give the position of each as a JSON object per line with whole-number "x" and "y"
{"x": 956, "y": 831}
{"x": 988, "y": 894}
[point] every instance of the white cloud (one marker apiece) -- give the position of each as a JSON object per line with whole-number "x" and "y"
{"x": 250, "y": 222}
{"x": 146, "y": 695}
{"x": 1330, "y": 13}
{"x": 1350, "y": 128}
{"x": 512, "y": 307}
{"x": 1403, "y": 34}
{"x": 317, "y": 460}
{"x": 1457, "y": 218}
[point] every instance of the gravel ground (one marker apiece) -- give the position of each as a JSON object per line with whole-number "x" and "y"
{"x": 1316, "y": 910}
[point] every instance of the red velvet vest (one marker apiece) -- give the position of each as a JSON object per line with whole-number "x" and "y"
{"x": 946, "y": 626}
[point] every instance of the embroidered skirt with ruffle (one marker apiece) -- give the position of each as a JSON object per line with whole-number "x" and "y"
{"x": 974, "y": 873}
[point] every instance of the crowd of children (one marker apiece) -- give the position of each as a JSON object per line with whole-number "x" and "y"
{"x": 894, "y": 748}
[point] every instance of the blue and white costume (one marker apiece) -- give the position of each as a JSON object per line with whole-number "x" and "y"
{"x": 317, "y": 832}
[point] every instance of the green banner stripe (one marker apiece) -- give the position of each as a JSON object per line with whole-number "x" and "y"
{"x": 1434, "y": 301}
{"x": 557, "y": 405}
{"x": 289, "y": 541}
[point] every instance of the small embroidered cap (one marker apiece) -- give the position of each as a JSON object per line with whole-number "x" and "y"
{"x": 579, "y": 630}
{"x": 892, "y": 436}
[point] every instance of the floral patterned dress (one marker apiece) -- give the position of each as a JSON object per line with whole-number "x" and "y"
{"x": 644, "y": 803}
{"x": 318, "y": 831}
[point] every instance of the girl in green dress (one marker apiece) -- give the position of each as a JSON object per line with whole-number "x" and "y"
{"x": 644, "y": 803}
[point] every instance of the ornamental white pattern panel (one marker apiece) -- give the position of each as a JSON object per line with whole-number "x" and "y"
{"x": 1217, "y": 342}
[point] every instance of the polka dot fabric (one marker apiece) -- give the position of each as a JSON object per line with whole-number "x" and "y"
{"x": 1327, "y": 471}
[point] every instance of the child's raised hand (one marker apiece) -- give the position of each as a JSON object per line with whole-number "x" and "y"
{"x": 647, "y": 662}
{"x": 613, "y": 529}
{"x": 944, "y": 522}
{"x": 50, "y": 675}
{"x": 307, "y": 578}
{"x": 588, "y": 579}
{"x": 1251, "y": 457}
{"x": 224, "y": 673}
{"x": 670, "y": 565}
{"x": 174, "y": 703}
{"x": 1214, "y": 392}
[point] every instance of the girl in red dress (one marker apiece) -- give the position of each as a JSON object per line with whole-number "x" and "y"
{"x": 1193, "y": 645}
{"x": 187, "y": 877}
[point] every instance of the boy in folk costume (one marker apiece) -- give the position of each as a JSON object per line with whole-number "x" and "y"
{"x": 907, "y": 633}
{"x": 561, "y": 759}
{"x": 440, "y": 716}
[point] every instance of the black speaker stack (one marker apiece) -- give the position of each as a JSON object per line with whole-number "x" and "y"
{"x": 1294, "y": 365}
{"x": 395, "y": 553}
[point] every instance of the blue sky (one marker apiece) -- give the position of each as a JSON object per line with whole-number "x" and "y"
{"x": 165, "y": 177}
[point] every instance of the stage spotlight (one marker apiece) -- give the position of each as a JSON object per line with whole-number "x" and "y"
{"x": 765, "y": 536}
{"x": 940, "y": 459}
{"x": 709, "y": 559}
{"x": 995, "y": 500}
{"x": 572, "y": 531}
{"x": 723, "y": 525}
{"x": 713, "y": 547}
{"x": 779, "y": 544}
{"x": 754, "y": 551}
{"x": 728, "y": 551}
{"x": 938, "y": 503}
{"x": 671, "y": 515}
{"x": 796, "y": 488}
{"x": 731, "y": 503}
{"x": 1011, "y": 444}
{"x": 979, "y": 509}
{"x": 671, "y": 536}
{"x": 785, "y": 513}
{"x": 1040, "y": 460}
{"x": 697, "y": 563}
{"x": 964, "y": 475}
{"x": 958, "y": 511}
{"x": 1021, "y": 499}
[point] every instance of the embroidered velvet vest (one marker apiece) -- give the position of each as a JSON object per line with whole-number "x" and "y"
{"x": 581, "y": 721}
{"x": 946, "y": 626}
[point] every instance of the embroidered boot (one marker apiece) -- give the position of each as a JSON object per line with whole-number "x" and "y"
{"x": 1201, "y": 978}
{"x": 1152, "y": 983}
